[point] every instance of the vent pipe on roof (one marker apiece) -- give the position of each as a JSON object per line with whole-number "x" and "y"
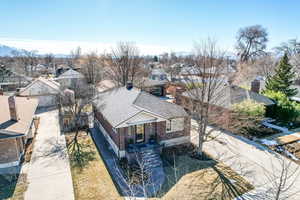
{"x": 129, "y": 85}
{"x": 255, "y": 86}
{"x": 13, "y": 108}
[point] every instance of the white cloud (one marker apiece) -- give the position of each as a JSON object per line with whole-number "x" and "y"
{"x": 64, "y": 47}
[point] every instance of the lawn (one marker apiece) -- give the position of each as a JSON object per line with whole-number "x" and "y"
{"x": 190, "y": 178}
{"x": 92, "y": 181}
{"x": 13, "y": 186}
{"x": 186, "y": 178}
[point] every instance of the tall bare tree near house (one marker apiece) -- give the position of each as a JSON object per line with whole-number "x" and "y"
{"x": 251, "y": 42}
{"x": 74, "y": 104}
{"x": 205, "y": 85}
{"x": 92, "y": 68}
{"x": 124, "y": 62}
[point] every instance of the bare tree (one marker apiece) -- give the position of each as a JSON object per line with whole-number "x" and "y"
{"x": 283, "y": 178}
{"x": 205, "y": 85}
{"x": 124, "y": 63}
{"x": 92, "y": 68}
{"x": 26, "y": 60}
{"x": 251, "y": 42}
{"x": 74, "y": 104}
{"x": 49, "y": 60}
{"x": 74, "y": 57}
{"x": 263, "y": 66}
{"x": 291, "y": 47}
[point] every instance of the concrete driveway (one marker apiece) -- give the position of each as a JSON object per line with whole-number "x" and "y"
{"x": 48, "y": 173}
{"x": 255, "y": 162}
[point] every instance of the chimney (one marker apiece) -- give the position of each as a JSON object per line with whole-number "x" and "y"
{"x": 13, "y": 108}
{"x": 129, "y": 85}
{"x": 255, "y": 86}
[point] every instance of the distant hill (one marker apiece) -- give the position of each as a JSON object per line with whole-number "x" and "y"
{"x": 6, "y": 50}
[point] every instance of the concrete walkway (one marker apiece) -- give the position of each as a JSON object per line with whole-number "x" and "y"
{"x": 256, "y": 163}
{"x": 48, "y": 173}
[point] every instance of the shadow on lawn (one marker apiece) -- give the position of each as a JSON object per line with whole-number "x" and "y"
{"x": 191, "y": 177}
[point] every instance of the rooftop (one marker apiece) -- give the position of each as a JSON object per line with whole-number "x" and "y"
{"x": 120, "y": 104}
{"x": 26, "y": 108}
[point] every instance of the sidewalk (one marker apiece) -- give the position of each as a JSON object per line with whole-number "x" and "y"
{"x": 48, "y": 173}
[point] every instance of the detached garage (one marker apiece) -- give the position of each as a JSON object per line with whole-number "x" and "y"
{"x": 43, "y": 89}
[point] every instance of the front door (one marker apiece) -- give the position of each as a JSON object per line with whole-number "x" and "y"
{"x": 140, "y": 133}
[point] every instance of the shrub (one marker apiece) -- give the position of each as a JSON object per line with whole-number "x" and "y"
{"x": 250, "y": 108}
{"x": 286, "y": 110}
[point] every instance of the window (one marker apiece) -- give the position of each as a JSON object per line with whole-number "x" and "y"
{"x": 140, "y": 130}
{"x": 130, "y": 130}
{"x": 173, "y": 125}
{"x": 168, "y": 125}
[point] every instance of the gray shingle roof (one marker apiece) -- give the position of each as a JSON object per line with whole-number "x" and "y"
{"x": 228, "y": 95}
{"x": 71, "y": 74}
{"x": 119, "y": 104}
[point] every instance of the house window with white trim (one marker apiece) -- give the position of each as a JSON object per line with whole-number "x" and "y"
{"x": 173, "y": 125}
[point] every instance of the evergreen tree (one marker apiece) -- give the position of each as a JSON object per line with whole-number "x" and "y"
{"x": 283, "y": 78}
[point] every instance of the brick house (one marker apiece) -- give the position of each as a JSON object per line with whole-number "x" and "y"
{"x": 128, "y": 116}
{"x": 16, "y": 127}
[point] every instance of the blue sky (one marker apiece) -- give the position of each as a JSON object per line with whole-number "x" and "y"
{"x": 156, "y": 25}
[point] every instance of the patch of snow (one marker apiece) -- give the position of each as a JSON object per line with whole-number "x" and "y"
{"x": 280, "y": 128}
{"x": 289, "y": 154}
{"x": 268, "y": 142}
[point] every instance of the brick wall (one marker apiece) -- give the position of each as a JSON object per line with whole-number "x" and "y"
{"x": 109, "y": 129}
{"x": 163, "y": 135}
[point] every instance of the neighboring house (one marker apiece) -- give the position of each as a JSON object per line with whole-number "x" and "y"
{"x": 206, "y": 72}
{"x": 70, "y": 79}
{"x": 44, "y": 89}
{"x": 128, "y": 116}
{"x": 16, "y": 127}
{"x": 158, "y": 74}
{"x": 154, "y": 87}
{"x": 10, "y": 81}
{"x": 223, "y": 100}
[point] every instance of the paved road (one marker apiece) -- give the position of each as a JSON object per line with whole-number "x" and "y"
{"x": 253, "y": 161}
{"x": 49, "y": 174}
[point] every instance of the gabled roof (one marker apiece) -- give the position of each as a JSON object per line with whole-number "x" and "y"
{"x": 26, "y": 108}
{"x": 120, "y": 104}
{"x": 227, "y": 95}
{"x": 70, "y": 74}
{"x": 48, "y": 83}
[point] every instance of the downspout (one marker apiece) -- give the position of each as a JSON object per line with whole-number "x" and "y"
{"x": 119, "y": 145}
